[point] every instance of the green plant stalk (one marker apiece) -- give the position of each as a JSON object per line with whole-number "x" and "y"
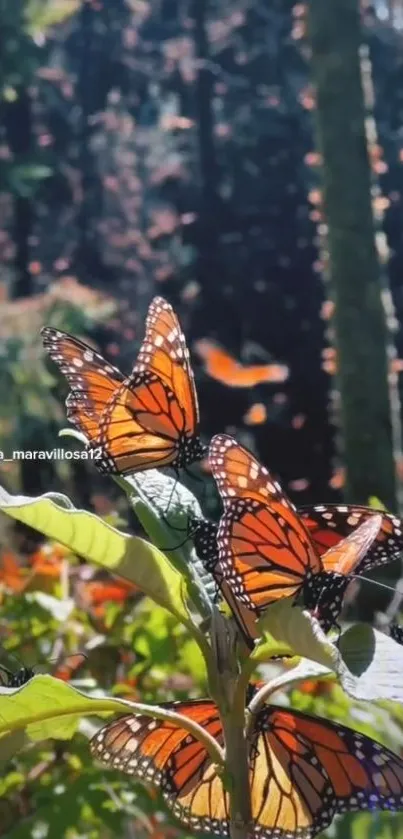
{"x": 229, "y": 694}
{"x": 237, "y": 774}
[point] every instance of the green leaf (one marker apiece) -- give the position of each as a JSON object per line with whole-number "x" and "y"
{"x": 374, "y": 664}
{"x": 91, "y": 538}
{"x": 367, "y": 663}
{"x": 163, "y": 506}
{"x": 295, "y": 632}
{"x": 48, "y": 707}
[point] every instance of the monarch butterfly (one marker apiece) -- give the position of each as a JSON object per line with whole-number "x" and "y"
{"x": 20, "y": 677}
{"x": 149, "y": 419}
{"x": 204, "y": 535}
{"x": 265, "y": 550}
{"x": 329, "y": 523}
{"x": 302, "y": 770}
{"x": 220, "y": 365}
{"x": 17, "y": 679}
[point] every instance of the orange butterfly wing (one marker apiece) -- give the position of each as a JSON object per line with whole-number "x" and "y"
{"x": 165, "y": 354}
{"x": 93, "y": 381}
{"x": 265, "y": 550}
{"x": 305, "y": 770}
{"x": 152, "y": 421}
{"x": 329, "y": 523}
{"x": 204, "y": 535}
{"x": 172, "y": 759}
{"x": 138, "y": 430}
{"x": 220, "y": 365}
{"x": 345, "y": 557}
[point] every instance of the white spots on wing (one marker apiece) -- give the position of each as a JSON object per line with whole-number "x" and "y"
{"x": 379, "y": 760}
{"x": 254, "y": 470}
{"x": 88, "y": 356}
{"x": 78, "y": 362}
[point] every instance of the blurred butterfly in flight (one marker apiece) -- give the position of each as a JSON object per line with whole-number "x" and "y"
{"x": 147, "y": 420}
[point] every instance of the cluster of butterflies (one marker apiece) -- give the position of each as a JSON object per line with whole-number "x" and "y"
{"x": 302, "y": 770}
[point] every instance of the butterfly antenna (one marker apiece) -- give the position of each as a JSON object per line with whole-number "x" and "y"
{"x": 190, "y": 532}
{"x": 176, "y": 481}
{"x": 374, "y": 582}
{"x": 198, "y": 480}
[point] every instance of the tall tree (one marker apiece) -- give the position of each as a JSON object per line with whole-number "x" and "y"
{"x": 361, "y": 330}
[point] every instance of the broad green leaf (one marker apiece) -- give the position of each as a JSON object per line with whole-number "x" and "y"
{"x": 296, "y": 632}
{"x": 91, "y": 538}
{"x": 163, "y": 505}
{"x": 48, "y": 707}
{"x": 368, "y": 664}
{"x": 374, "y": 664}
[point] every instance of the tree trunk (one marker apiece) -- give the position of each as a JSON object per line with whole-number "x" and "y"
{"x": 18, "y": 128}
{"x": 361, "y": 331}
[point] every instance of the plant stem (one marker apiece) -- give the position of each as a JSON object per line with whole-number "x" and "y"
{"x": 237, "y": 764}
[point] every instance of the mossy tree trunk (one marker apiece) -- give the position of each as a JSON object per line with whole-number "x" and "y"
{"x": 361, "y": 331}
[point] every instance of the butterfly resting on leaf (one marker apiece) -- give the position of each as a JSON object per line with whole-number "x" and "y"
{"x": 147, "y": 420}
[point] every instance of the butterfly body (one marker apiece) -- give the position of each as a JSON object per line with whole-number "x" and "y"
{"x": 323, "y": 595}
{"x": 18, "y": 678}
{"x": 147, "y": 420}
{"x": 302, "y": 770}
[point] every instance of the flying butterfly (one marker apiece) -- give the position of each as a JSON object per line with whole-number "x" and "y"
{"x": 302, "y": 770}
{"x": 265, "y": 550}
{"x": 147, "y": 420}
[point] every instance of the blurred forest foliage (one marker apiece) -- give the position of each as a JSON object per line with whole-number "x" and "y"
{"x": 166, "y": 147}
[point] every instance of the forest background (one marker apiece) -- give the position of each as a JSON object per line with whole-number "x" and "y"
{"x": 169, "y": 148}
